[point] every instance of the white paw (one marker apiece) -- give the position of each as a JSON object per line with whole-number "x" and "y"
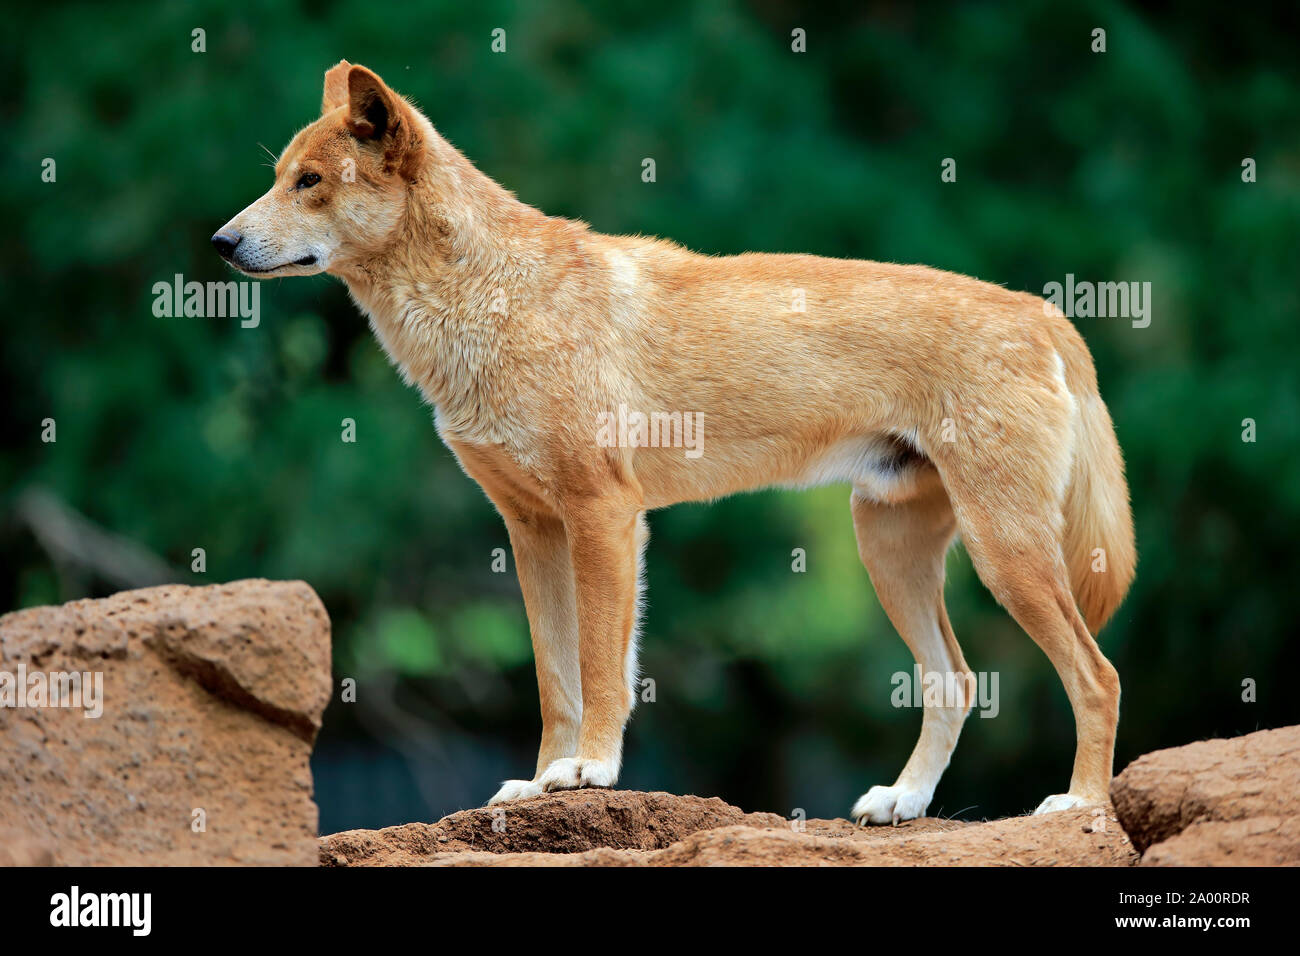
{"x": 890, "y": 805}
{"x": 569, "y": 773}
{"x": 1062, "y": 801}
{"x": 516, "y": 790}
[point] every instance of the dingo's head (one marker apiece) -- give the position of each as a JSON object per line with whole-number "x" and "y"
{"x": 340, "y": 185}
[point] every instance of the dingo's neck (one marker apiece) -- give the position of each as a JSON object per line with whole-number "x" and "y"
{"x": 467, "y": 255}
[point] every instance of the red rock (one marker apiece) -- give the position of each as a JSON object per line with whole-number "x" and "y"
{"x": 212, "y": 697}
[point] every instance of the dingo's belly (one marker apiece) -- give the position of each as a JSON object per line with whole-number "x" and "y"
{"x": 880, "y": 466}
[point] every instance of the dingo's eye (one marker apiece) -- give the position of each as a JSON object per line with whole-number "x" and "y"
{"x": 308, "y": 180}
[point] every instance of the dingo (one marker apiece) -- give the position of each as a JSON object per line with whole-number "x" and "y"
{"x": 950, "y": 405}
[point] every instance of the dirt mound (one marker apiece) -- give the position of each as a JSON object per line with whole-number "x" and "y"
{"x": 627, "y": 828}
{"x": 565, "y": 822}
{"x": 1216, "y": 802}
{"x": 208, "y": 699}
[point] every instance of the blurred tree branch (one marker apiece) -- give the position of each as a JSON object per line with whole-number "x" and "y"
{"x": 81, "y": 549}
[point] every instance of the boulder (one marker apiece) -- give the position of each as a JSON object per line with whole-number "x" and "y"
{"x": 188, "y": 738}
{"x": 1215, "y": 802}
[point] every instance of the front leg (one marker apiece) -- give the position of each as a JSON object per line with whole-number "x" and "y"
{"x": 604, "y": 543}
{"x": 541, "y": 550}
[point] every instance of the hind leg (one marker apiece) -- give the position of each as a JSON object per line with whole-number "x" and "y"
{"x": 1038, "y": 597}
{"x": 903, "y": 547}
{"x": 1014, "y": 543}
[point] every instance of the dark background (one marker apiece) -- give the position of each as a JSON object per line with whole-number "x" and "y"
{"x": 772, "y": 687}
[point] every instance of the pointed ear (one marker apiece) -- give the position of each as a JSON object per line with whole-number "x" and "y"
{"x": 372, "y": 106}
{"x": 336, "y": 87}
{"x": 377, "y": 114}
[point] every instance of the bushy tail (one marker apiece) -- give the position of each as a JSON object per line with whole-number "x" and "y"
{"x": 1100, "y": 551}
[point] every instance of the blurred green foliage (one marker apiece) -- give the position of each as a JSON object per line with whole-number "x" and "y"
{"x": 772, "y": 687}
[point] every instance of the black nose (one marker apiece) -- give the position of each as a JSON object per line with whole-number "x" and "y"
{"x": 225, "y": 243}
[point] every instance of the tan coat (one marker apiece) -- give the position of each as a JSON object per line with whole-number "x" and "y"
{"x": 949, "y": 404}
